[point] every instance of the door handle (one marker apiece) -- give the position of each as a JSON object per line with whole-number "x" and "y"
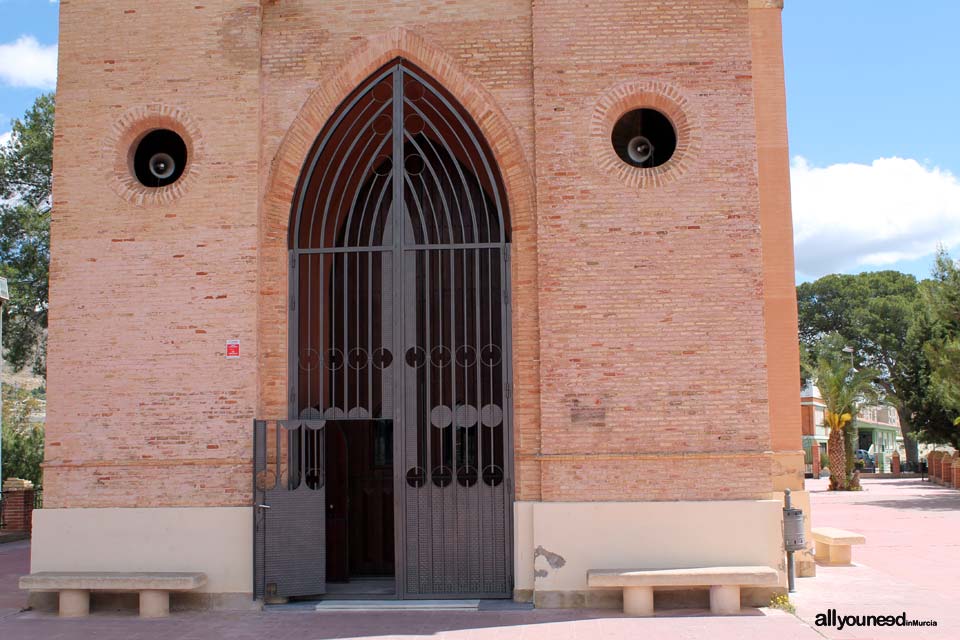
{"x": 263, "y": 506}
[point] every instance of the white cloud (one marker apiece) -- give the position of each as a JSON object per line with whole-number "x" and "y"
{"x": 27, "y": 63}
{"x": 5, "y": 138}
{"x": 852, "y": 215}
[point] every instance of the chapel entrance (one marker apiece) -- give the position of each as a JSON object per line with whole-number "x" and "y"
{"x": 399, "y": 358}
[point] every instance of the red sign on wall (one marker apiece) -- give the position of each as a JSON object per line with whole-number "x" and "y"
{"x": 233, "y": 348}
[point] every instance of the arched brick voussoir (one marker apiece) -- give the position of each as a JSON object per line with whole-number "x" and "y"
{"x": 360, "y": 64}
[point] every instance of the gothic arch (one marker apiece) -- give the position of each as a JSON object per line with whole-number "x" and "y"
{"x": 286, "y": 167}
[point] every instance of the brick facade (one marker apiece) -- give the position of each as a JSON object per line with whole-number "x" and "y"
{"x": 654, "y": 340}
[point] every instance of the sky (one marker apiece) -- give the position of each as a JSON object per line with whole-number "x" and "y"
{"x": 872, "y": 107}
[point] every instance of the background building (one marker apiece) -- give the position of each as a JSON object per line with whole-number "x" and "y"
{"x": 878, "y": 427}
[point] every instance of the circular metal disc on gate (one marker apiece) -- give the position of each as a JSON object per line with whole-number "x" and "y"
{"x": 413, "y": 124}
{"x": 266, "y": 479}
{"x": 382, "y": 124}
{"x": 358, "y": 413}
{"x": 491, "y": 415}
{"x": 334, "y": 359}
{"x": 440, "y": 356}
{"x": 467, "y": 476}
{"x": 441, "y": 416}
{"x": 383, "y": 165}
{"x": 466, "y": 355}
{"x": 382, "y": 358}
{"x": 492, "y": 475}
{"x": 416, "y": 356}
{"x": 357, "y": 359}
{"x": 334, "y": 413}
{"x": 490, "y": 355}
{"x": 466, "y": 415}
{"x": 309, "y": 360}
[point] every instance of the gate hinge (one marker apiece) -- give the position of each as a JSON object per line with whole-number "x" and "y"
{"x": 293, "y": 302}
{"x": 293, "y": 394}
{"x": 509, "y": 390}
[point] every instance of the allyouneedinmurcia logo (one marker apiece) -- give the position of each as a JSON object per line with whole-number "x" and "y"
{"x": 832, "y": 619}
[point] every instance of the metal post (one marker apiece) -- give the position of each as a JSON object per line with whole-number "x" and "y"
{"x": 4, "y": 296}
{"x": 791, "y": 586}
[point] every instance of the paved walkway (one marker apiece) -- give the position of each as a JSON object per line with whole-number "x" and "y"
{"x": 911, "y": 563}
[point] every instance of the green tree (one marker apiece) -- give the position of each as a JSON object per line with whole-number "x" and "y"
{"x": 25, "y": 203}
{"x": 844, "y": 390}
{"x": 942, "y": 300}
{"x": 22, "y": 438}
{"x": 874, "y": 313}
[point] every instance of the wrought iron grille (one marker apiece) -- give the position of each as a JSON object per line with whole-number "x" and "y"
{"x": 400, "y": 311}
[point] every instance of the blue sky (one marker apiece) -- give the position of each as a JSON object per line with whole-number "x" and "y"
{"x": 872, "y": 105}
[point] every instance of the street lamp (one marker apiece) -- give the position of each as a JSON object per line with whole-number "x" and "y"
{"x": 4, "y": 296}
{"x": 849, "y": 349}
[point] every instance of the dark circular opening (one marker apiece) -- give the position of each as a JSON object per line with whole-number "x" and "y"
{"x": 644, "y": 138}
{"x": 492, "y": 475}
{"x": 416, "y": 477}
{"x": 160, "y": 158}
{"x": 442, "y": 476}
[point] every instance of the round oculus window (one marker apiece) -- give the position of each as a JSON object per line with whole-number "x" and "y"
{"x": 159, "y": 158}
{"x": 644, "y": 138}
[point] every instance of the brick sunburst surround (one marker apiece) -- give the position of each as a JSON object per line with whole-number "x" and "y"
{"x": 118, "y": 149}
{"x": 651, "y": 94}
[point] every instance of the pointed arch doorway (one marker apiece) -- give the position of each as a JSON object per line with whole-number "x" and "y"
{"x": 400, "y": 353}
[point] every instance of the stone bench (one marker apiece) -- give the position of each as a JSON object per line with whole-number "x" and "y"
{"x": 724, "y": 584}
{"x": 834, "y": 545}
{"x": 75, "y": 588}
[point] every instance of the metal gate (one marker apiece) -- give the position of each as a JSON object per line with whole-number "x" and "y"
{"x": 400, "y": 312}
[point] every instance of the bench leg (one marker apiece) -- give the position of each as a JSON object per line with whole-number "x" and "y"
{"x": 154, "y": 604}
{"x": 840, "y": 554}
{"x": 822, "y": 553}
{"x": 724, "y": 599}
{"x": 638, "y": 601}
{"x": 74, "y": 603}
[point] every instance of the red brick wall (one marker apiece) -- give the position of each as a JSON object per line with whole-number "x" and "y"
{"x": 639, "y": 304}
{"x": 18, "y": 510}
{"x": 144, "y": 410}
{"x": 651, "y": 302}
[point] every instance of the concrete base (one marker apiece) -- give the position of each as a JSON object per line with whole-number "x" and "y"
{"x": 74, "y": 603}
{"x": 724, "y": 600}
{"x": 154, "y": 604}
{"x": 638, "y": 601}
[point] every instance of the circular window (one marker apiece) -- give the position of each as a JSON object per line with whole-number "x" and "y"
{"x": 159, "y": 158}
{"x": 644, "y": 138}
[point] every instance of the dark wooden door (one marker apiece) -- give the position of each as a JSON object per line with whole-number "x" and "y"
{"x": 337, "y": 493}
{"x": 371, "y": 498}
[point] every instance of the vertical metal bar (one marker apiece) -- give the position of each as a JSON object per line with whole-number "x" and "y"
{"x": 345, "y": 301}
{"x": 399, "y": 400}
{"x": 508, "y": 435}
{"x": 321, "y": 324}
{"x": 477, "y": 311}
{"x": 293, "y": 341}
{"x": 370, "y": 349}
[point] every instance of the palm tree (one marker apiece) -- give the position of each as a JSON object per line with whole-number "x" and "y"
{"x": 844, "y": 389}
